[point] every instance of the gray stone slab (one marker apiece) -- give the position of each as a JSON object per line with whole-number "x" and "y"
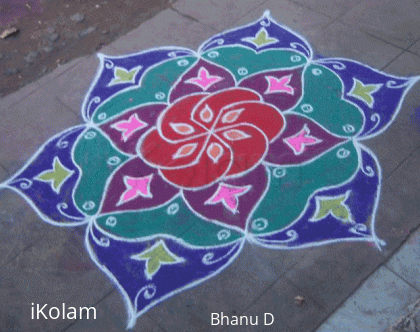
{"x": 415, "y": 48}
{"x": 4, "y": 175}
{"x": 394, "y": 21}
{"x": 276, "y": 326}
{"x": 332, "y": 8}
{"x": 339, "y": 40}
{"x": 329, "y": 274}
{"x": 399, "y": 212}
{"x": 406, "y": 262}
{"x": 301, "y": 19}
{"x": 55, "y": 270}
{"x": 19, "y": 225}
{"x": 232, "y": 292}
{"x": 401, "y": 138}
{"x": 72, "y": 85}
{"x": 218, "y": 14}
{"x": 382, "y": 299}
{"x": 28, "y": 124}
{"x": 14, "y": 98}
{"x": 111, "y": 318}
{"x": 70, "y": 82}
{"x": 167, "y": 28}
{"x": 57, "y": 72}
{"x": 280, "y": 301}
{"x": 406, "y": 64}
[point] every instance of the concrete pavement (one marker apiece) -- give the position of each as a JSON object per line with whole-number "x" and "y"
{"x": 348, "y": 286}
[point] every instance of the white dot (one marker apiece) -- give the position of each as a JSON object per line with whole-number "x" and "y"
{"x": 112, "y": 161}
{"x": 89, "y": 205}
{"x": 173, "y": 209}
{"x": 213, "y": 54}
{"x": 316, "y": 71}
{"x": 259, "y": 224}
{"x": 90, "y": 135}
{"x": 307, "y": 108}
{"x": 183, "y": 63}
{"x": 102, "y": 116}
{"x": 242, "y": 71}
{"x": 159, "y": 95}
{"x": 295, "y": 58}
{"x": 111, "y": 221}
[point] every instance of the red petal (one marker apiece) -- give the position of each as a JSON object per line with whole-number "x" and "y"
{"x": 231, "y": 116}
{"x": 215, "y": 151}
{"x": 206, "y": 114}
{"x": 155, "y": 150}
{"x": 206, "y": 171}
{"x": 180, "y": 113}
{"x": 246, "y": 152}
{"x": 235, "y": 135}
{"x": 220, "y": 100}
{"x": 262, "y": 115}
{"x": 182, "y": 128}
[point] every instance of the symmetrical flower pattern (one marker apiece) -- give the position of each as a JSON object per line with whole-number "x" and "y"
{"x": 186, "y": 155}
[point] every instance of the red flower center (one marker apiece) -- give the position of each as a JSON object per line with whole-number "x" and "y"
{"x": 205, "y": 137}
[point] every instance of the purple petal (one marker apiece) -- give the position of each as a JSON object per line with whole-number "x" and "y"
{"x": 382, "y": 104}
{"x": 283, "y": 153}
{"x": 151, "y": 191}
{"x": 249, "y": 189}
{"x": 54, "y": 204}
{"x": 102, "y": 90}
{"x": 126, "y": 130}
{"x": 283, "y": 101}
{"x": 142, "y": 292}
{"x": 362, "y": 195}
{"x": 286, "y": 38}
{"x": 218, "y": 78}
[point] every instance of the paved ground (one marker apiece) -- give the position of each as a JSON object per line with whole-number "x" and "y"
{"x": 52, "y": 33}
{"x": 347, "y": 286}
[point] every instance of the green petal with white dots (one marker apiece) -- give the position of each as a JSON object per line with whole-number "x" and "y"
{"x": 98, "y": 159}
{"x": 244, "y": 62}
{"x": 154, "y": 87}
{"x": 291, "y": 187}
{"x": 173, "y": 218}
{"x": 322, "y": 101}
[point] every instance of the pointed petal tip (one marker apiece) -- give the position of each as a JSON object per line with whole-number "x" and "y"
{"x": 131, "y": 322}
{"x": 267, "y": 14}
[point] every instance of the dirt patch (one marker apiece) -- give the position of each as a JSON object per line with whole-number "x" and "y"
{"x": 52, "y": 32}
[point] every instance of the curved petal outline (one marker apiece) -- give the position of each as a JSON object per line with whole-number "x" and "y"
{"x": 77, "y": 220}
{"x": 133, "y": 314}
{"x": 373, "y": 123}
{"x": 359, "y": 229}
{"x": 264, "y": 22}
{"x": 96, "y": 96}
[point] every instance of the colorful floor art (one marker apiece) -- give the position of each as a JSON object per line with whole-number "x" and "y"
{"x": 187, "y": 155}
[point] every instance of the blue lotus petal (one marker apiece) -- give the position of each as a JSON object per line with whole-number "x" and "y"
{"x": 54, "y": 204}
{"x": 101, "y": 89}
{"x": 379, "y": 95}
{"x": 286, "y": 38}
{"x": 361, "y": 194}
{"x": 141, "y": 290}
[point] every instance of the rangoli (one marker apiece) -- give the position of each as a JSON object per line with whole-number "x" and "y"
{"x": 184, "y": 156}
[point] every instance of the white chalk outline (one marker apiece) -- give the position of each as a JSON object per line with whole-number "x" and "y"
{"x": 89, "y": 99}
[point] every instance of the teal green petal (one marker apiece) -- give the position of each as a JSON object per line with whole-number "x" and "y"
{"x": 322, "y": 101}
{"x": 98, "y": 159}
{"x": 154, "y": 87}
{"x": 173, "y": 218}
{"x": 243, "y": 62}
{"x": 291, "y": 187}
